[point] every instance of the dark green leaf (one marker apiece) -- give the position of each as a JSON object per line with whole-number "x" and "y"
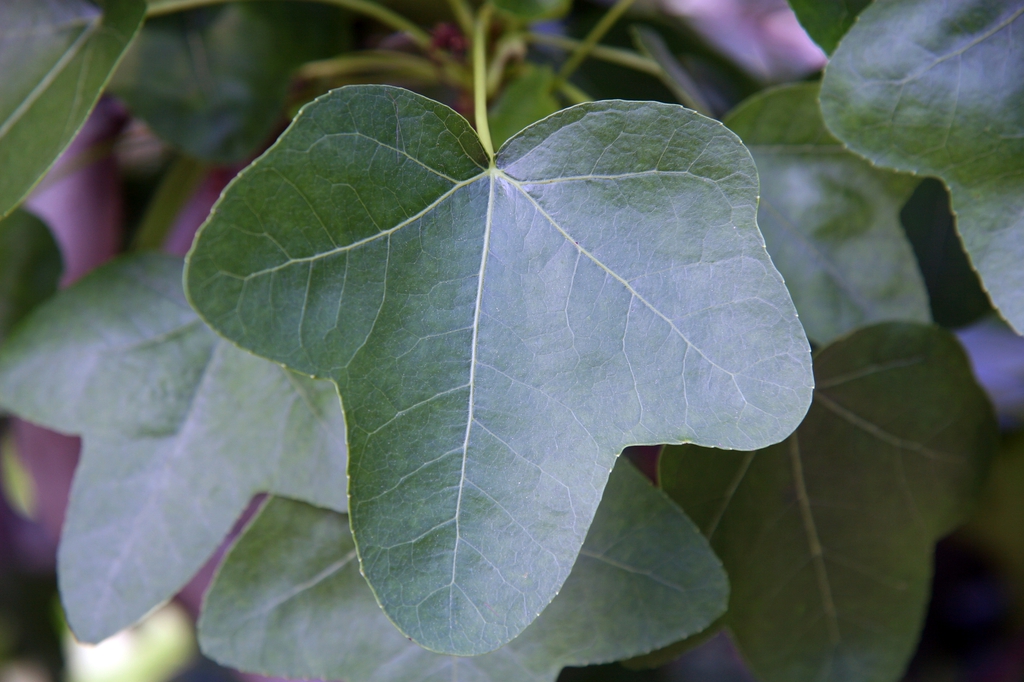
{"x": 180, "y": 430}
{"x": 500, "y": 333}
{"x": 30, "y": 267}
{"x": 525, "y": 100}
{"x": 56, "y": 58}
{"x": 289, "y": 599}
{"x": 828, "y": 536}
{"x": 826, "y": 21}
{"x": 831, "y": 220}
{"x": 534, "y": 9}
{"x": 213, "y": 81}
{"x": 936, "y": 88}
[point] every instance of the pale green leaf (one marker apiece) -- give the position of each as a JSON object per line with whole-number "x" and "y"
{"x": 534, "y": 9}
{"x": 936, "y": 88}
{"x": 213, "y": 81}
{"x": 288, "y": 599}
{"x": 831, "y": 220}
{"x": 180, "y": 430}
{"x": 526, "y": 99}
{"x": 56, "y": 58}
{"x": 826, "y": 21}
{"x": 499, "y": 334}
{"x": 827, "y": 537}
{"x": 30, "y": 267}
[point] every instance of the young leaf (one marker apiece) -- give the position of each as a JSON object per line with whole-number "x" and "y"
{"x": 30, "y": 267}
{"x": 525, "y": 100}
{"x": 288, "y": 599}
{"x": 534, "y": 9}
{"x": 222, "y": 107}
{"x": 827, "y": 537}
{"x": 826, "y": 21}
{"x": 56, "y": 58}
{"x": 831, "y": 220}
{"x": 499, "y": 332}
{"x": 180, "y": 430}
{"x": 935, "y": 87}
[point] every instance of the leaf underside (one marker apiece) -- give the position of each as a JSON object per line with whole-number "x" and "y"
{"x": 828, "y": 537}
{"x": 180, "y": 430}
{"x": 499, "y": 333}
{"x": 30, "y": 267}
{"x": 830, "y": 219}
{"x": 645, "y": 577}
{"x": 56, "y": 57}
{"x": 935, "y": 88}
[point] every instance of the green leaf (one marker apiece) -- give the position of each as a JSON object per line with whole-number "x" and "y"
{"x": 935, "y": 88}
{"x": 30, "y": 267}
{"x": 525, "y": 100}
{"x": 827, "y": 537}
{"x": 213, "y": 81}
{"x": 534, "y": 9}
{"x": 500, "y": 333}
{"x": 180, "y": 430}
{"x": 826, "y": 21}
{"x": 831, "y": 220}
{"x": 289, "y": 600}
{"x": 56, "y": 58}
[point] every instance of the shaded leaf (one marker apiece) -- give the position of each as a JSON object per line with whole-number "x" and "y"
{"x": 180, "y": 430}
{"x": 534, "y": 9}
{"x": 525, "y": 100}
{"x": 30, "y": 267}
{"x": 827, "y": 537}
{"x": 831, "y": 220}
{"x": 289, "y": 599}
{"x": 936, "y": 88}
{"x": 213, "y": 81}
{"x": 500, "y": 333}
{"x": 826, "y": 21}
{"x": 56, "y": 58}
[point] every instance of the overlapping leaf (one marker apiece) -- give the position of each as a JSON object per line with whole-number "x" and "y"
{"x": 827, "y": 537}
{"x": 500, "y": 332}
{"x": 30, "y": 267}
{"x": 826, "y": 21}
{"x": 831, "y": 220}
{"x": 526, "y": 99}
{"x": 936, "y": 87}
{"x": 180, "y": 430}
{"x": 289, "y": 599}
{"x": 213, "y": 81}
{"x": 56, "y": 58}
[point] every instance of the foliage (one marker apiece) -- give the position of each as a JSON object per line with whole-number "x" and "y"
{"x": 429, "y": 339}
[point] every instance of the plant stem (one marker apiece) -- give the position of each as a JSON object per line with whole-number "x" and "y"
{"x": 400, "y": 64}
{"x": 508, "y": 46}
{"x": 595, "y": 35}
{"x": 463, "y": 15}
{"x": 483, "y": 128}
{"x": 573, "y": 94}
{"x": 366, "y": 7}
{"x": 177, "y": 186}
{"x": 612, "y": 55}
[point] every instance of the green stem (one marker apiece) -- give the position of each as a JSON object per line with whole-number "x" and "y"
{"x": 592, "y": 39}
{"x": 612, "y": 55}
{"x": 366, "y": 7}
{"x": 402, "y": 64}
{"x": 573, "y": 94}
{"x": 483, "y": 128}
{"x": 177, "y": 186}
{"x": 463, "y": 15}
{"x": 508, "y": 47}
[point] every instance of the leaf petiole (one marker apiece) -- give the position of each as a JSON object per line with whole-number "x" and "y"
{"x": 612, "y": 55}
{"x": 590, "y": 42}
{"x": 483, "y": 128}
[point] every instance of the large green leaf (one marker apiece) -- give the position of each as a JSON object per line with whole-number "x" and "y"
{"x": 936, "y": 88}
{"x": 826, "y": 21}
{"x": 500, "y": 332}
{"x": 213, "y": 81}
{"x": 828, "y": 536}
{"x": 831, "y": 220}
{"x": 56, "y": 58}
{"x": 30, "y": 267}
{"x": 180, "y": 430}
{"x": 289, "y": 600}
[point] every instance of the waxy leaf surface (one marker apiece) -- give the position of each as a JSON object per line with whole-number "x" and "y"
{"x": 56, "y": 57}
{"x": 936, "y": 87}
{"x": 30, "y": 267}
{"x": 828, "y": 537}
{"x": 831, "y": 220}
{"x": 826, "y": 21}
{"x": 499, "y": 333}
{"x": 213, "y": 81}
{"x": 180, "y": 429}
{"x": 289, "y": 600}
